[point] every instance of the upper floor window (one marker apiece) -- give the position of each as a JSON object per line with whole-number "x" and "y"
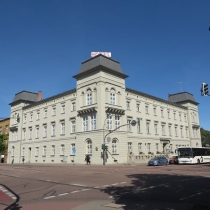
{"x": 31, "y": 117}
{"x": 181, "y": 131}
{"x": 147, "y": 109}
{"x": 128, "y": 105}
{"x": 54, "y": 111}
{"x": 63, "y": 128}
{"x": 174, "y": 115}
{"x": 25, "y": 117}
{"x": 73, "y": 126}
{"x": 85, "y": 123}
{"x": 93, "y": 122}
{"x": 63, "y": 109}
{"x": 24, "y": 133}
{"x": 176, "y": 133}
{"x": 180, "y": 117}
{"x": 37, "y": 132}
{"x": 138, "y": 125}
{"x": 185, "y": 118}
{"x": 154, "y": 111}
{"x": 147, "y": 127}
{"x": 156, "y": 128}
{"x": 45, "y": 131}
{"x": 128, "y": 125}
{"x": 186, "y": 131}
{"x": 168, "y": 114}
{"x": 137, "y": 107}
{"x": 73, "y": 106}
{"x": 169, "y": 130}
{"x": 117, "y": 121}
{"x": 30, "y": 133}
{"x": 163, "y": 130}
{"x": 109, "y": 122}
{"x": 45, "y": 113}
{"x": 37, "y": 115}
{"x": 161, "y": 112}
{"x": 53, "y": 129}
{"x": 112, "y": 98}
{"x": 89, "y": 97}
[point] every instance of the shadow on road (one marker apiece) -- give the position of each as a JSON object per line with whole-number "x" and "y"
{"x": 162, "y": 192}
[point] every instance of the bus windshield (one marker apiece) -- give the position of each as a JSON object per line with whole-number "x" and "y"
{"x": 185, "y": 153}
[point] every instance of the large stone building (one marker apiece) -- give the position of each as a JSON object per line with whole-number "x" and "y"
{"x": 52, "y": 129}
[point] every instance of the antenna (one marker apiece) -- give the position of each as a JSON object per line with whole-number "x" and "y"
{"x": 180, "y": 85}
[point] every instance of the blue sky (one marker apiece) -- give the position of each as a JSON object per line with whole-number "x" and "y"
{"x": 158, "y": 43}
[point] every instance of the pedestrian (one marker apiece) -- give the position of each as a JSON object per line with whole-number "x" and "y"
{"x": 23, "y": 159}
{"x": 86, "y": 159}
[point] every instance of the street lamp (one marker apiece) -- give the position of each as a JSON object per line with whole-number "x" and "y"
{"x": 133, "y": 123}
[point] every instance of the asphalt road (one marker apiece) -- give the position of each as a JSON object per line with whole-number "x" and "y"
{"x": 64, "y": 187}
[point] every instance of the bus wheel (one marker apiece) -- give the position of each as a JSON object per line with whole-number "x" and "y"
{"x": 198, "y": 161}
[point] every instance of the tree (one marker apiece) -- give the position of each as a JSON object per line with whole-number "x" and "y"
{"x": 3, "y": 145}
{"x": 205, "y": 137}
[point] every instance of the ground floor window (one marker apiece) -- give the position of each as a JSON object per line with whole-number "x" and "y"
{"x": 114, "y": 146}
{"x": 129, "y": 147}
{"x": 89, "y": 146}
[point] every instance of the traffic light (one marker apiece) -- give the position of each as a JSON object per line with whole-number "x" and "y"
{"x": 104, "y": 147}
{"x": 204, "y": 89}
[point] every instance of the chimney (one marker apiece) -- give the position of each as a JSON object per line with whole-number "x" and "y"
{"x": 39, "y": 96}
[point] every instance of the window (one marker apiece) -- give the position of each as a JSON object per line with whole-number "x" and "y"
{"x": 148, "y": 147}
{"x": 16, "y": 135}
{"x": 63, "y": 109}
{"x": 73, "y": 149}
{"x": 53, "y": 129}
{"x": 186, "y": 132}
{"x": 89, "y": 147}
{"x": 146, "y": 109}
{"x": 171, "y": 145}
{"x": 45, "y": 113}
{"x": 31, "y": 117}
{"x": 37, "y": 152}
{"x": 85, "y": 123}
{"x": 176, "y": 134}
{"x": 62, "y": 128}
{"x": 154, "y": 109}
{"x": 37, "y": 132}
{"x": 54, "y": 111}
{"x": 181, "y": 131}
{"x": 73, "y": 126}
{"x": 169, "y": 130}
{"x": 139, "y": 148}
{"x": 129, "y": 147}
{"x": 37, "y": 115}
{"x": 157, "y": 145}
{"x": 128, "y": 105}
{"x": 147, "y": 127}
{"x": 174, "y": 115}
{"x": 25, "y": 117}
{"x": 163, "y": 130}
{"x": 45, "y": 131}
{"x": 168, "y": 114}
{"x": 137, "y": 107}
{"x": 23, "y": 151}
{"x": 161, "y": 112}
{"x": 109, "y": 122}
{"x": 73, "y": 106}
{"x": 62, "y": 149}
{"x": 128, "y": 125}
{"x": 185, "y": 118}
{"x": 53, "y": 150}
{"x": 156, "y": 128}
{"x": 193, "y": 117}
{"x": 138, "y": 125}
{"x": 44, "y": 150}
{"x": 89, "y": 97}
{"x": 114, "y": 146}
{"x": 93, "y": 122}
{"x": 24, "y": 133}
{"x": 117, "y": 121}
{"x": 30, "y": 133}
{"x": 112, "y": 98}
{"x": 180, "y": 117}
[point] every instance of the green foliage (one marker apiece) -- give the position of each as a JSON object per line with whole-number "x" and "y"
{"x": 205, "y": 137}
{"x": 3, "y": 146}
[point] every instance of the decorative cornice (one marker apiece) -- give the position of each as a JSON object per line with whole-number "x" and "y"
{"x": 86, "y": 111}
{"x": 114, "y": 110}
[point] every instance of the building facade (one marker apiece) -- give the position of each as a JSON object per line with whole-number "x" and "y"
{"x": 67, "y": 126}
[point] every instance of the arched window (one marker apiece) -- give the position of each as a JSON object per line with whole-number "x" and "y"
{"x": 89, "y": 97}
{"x": 112, "y": 97}
{"x": 114, "y": 146}
{"x": 89, "y": 146}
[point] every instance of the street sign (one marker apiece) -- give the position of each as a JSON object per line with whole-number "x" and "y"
{"x": 133, "y": 123}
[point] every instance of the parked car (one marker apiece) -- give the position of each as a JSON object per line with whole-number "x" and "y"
{"x": 173, "y": 159}
{"x": 157, "y": 161}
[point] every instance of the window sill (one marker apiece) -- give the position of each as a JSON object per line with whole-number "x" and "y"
{"x": 37, "y": 119}
{"x": 72, "y": 155}
{"x": 62, "y": 134}
{"x": 63, "y": 113}
{"x": 148, "y": 133}
{"x": 45, "y": 117}
{"x": 164, "y": 135}
{"x": 52, "y": 155}
{"x": 155, "y": 115}
{"x": 37, "y": 138}
{"x": 115, "y": 154}
{"x": 72, "y": 132}
{"x": 43, "y": 155}
{"x": 73, "y": 110}
{"x": 61, "y": 155}
{"x": 29, "y": 139}
{"x": 138, "y": 111}
{"x": 36, "y": 156}
{"x": 53, "y": 115}
{"x": 44, "y": 136}
{"x": 129, "y": 131}
{"x": 53, "y": 136}
{"x": 157, "y": 134}
{"x": 139, "y": 133}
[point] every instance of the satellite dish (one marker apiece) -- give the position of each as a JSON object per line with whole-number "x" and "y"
{"x": 108, "y": 139}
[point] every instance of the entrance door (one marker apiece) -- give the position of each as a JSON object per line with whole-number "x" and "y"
{"x": 29, "y": 154}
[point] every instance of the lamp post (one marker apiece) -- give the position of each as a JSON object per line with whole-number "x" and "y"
{"x": 133, "y": 123}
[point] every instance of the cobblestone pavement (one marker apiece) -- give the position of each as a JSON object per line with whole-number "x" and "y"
{"x": 63, "y": 187}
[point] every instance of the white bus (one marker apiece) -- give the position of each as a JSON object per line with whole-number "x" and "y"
{"x": 192, "y": 155}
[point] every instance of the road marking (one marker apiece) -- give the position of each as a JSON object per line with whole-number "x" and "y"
{"x": 13, "y": 198}
{"x": 85, "y": 189}
{"x": 123, "y": 182}
{"x": 96, "y": 187}
{"x": 62, "y": 194}
{"x": 47, "y": 180}
{"x": 189, "y": 179}
{"x": 106, "y": 186}
{"x": 79, "y": 185}
{"x": 75, "y": 191}
{"x": 49, "y": 197}
{"x": 115, "y": 184}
